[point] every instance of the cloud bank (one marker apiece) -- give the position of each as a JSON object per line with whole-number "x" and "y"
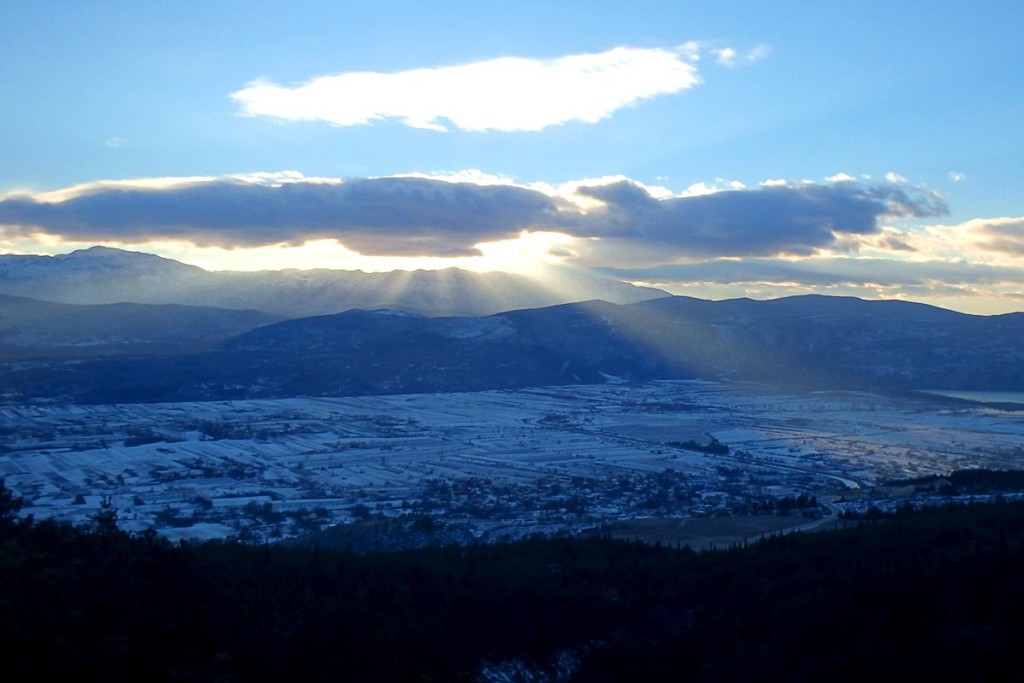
{"x": 777, "y": 219}
{"x": 382, "y": 216}
{"x": 827, "y": 272}
{"x": 415, "y": 216}
{"x": 1004, "y": 235}
{"x": 837, "y": 236}
{"x": 504, "y": 94}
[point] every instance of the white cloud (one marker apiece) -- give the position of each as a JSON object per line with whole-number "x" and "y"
{"x": 469, "y": 175}
{"x": 100, "y": 186}
{"x": 720, "y": 185}
{"x": 990, "y": 241}
{"x": 113, "y": 142}
{"x": 279, "y": 178}
{"x": 759, "y": 53}
{"x": 503, "y": 94}
{"x": 727, "y": 56}
{"x": 956, "y": 176}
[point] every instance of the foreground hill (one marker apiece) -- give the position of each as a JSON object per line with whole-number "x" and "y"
{"x": 808, "y": 341}
{"x": 811, "y": 340}
{"x": 843, "y": 341}
{"x": 930, "y": 596}
{"x": 101, "y": 275}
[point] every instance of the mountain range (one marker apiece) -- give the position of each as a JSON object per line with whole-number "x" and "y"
{"x": 102, "y": 275}
{"x": 810, "y": 341}
{"x": 31, "y": 328}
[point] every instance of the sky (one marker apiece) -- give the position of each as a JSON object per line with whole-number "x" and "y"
{"x": 721, "y": 149}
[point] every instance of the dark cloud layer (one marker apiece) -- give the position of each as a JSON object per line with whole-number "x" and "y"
{"x": 416, "y": 216}
{"x": 763, "y": 222}
{"x": 401, "y": 216}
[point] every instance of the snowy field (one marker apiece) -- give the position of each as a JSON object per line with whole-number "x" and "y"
{"x": 515, "y": 459}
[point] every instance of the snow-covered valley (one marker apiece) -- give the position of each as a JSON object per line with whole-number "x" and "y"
{"x": 504, "y": 463}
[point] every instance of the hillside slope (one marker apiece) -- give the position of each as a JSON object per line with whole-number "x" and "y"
{"x": 805, "y": 341}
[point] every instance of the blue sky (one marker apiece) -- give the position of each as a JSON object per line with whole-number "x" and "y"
{"x": 869, "y": 148}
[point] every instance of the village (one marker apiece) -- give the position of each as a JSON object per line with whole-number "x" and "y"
{"x": 496, "y": 465}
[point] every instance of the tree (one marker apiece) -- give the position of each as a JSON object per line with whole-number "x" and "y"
{"x": 106, "y": 519}
{"x": 10, "y": 505}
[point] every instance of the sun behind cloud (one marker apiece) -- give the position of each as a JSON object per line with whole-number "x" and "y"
{"x": 524, "y": 255}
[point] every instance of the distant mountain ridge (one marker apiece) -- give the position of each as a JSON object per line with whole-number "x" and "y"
{"x": 102, "y": 275}
{"x": 811, "y": 341}
{"x": 31, "y": 328}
